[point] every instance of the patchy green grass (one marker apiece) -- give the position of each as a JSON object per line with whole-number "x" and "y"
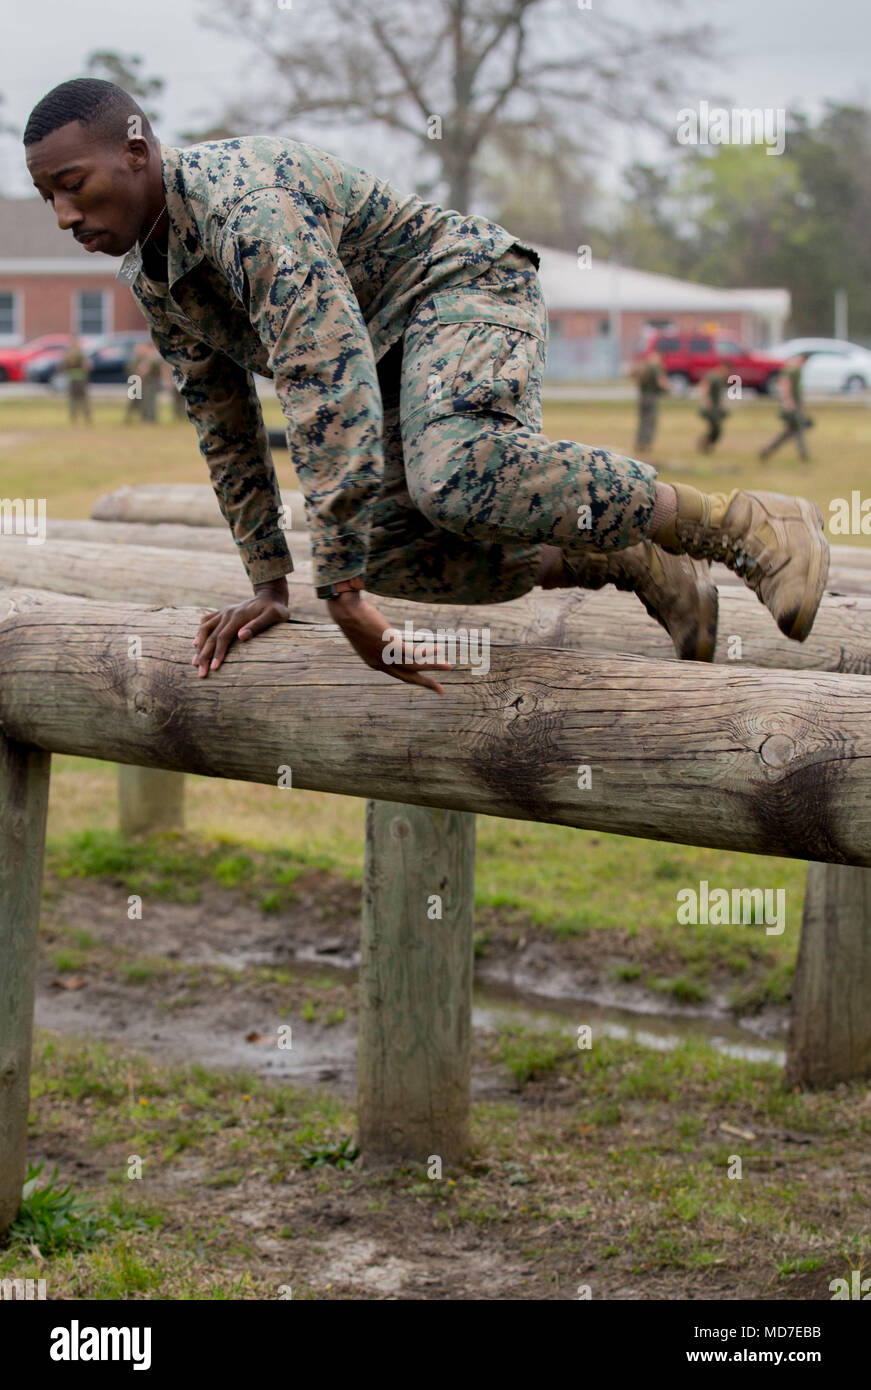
{"x": 608, "y": 1165}
{"x": 571, "y": 884}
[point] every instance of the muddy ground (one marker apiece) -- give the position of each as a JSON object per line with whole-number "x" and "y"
{"x": 320, "y": 931}
{"x": 198, "y": 982}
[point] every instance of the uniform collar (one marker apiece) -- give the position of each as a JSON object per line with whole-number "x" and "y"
{"x": 183, "y": 241}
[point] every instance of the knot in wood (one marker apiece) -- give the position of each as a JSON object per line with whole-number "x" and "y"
{"x": 524, "y": 704}
{"x": 141, "y": 702}
{"x": 777, "y": 750}
{"x": 8, "y": 1072}
{"x": 399, "y": 828}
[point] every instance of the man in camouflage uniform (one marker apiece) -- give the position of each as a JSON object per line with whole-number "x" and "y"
{"x": 407, "y": 345}
{"x": 712, "y": 411}
{"x": 789, "y": 386}
{"x": 652, "y": 383}
{"x": 145, "y": 367}
{"x": 77, "y": 371}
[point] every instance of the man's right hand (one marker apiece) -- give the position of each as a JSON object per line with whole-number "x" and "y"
{"x": 220, "y": 628}
{"x": 365, "y": 629}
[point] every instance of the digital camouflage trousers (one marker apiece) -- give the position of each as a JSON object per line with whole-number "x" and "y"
{"x": 472, "y": 488}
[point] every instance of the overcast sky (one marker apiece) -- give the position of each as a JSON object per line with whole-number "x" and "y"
{"x": 774, "y": 53}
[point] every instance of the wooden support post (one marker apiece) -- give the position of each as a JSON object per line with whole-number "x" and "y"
{"x": 830, "y": 1023}
{"x": 149, "y": 798}
{"x": 416, "y": 983}
{"x": 24, "y": 776}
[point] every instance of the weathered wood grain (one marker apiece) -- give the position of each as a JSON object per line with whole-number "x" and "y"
{"x": 415, "y": 991}
{"x": 829, "y": 1034}
{"x": 24, "y": 778}
{"x": 191, "y": 504}
{"x": 737, "y": 758}
{"x": 603, "y": 620}
{"x": 167, "y": 535}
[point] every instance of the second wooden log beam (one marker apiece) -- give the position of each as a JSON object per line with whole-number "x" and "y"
{"x": 582, "y": 620}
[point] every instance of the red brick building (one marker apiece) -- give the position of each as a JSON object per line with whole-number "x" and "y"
{"x": 50, "y": 284}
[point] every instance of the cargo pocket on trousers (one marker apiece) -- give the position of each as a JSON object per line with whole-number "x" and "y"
{"x": 493, "y": 358}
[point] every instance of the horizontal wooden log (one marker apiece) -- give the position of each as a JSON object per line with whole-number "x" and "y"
{"x": 168, "y": 535}
{"x": 763, "y": 761}
{"x": 190, "y": 504}
{"x": 581, "y": 620}
{"x": 856, "y": 557}
{"x": 195, "y": 504}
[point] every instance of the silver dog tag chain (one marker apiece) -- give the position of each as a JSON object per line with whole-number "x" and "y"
{"x": 132, "y": 262}
{"x": 130, "y": 266}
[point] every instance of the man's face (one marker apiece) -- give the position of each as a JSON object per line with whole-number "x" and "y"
{"x": 99, "y": 193}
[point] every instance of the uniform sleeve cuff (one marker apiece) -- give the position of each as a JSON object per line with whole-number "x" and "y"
{"x": 262, "y": 571}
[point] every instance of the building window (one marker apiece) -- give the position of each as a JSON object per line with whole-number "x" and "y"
{"x": 91, "y": 312}
{"x": 7, "y": 313}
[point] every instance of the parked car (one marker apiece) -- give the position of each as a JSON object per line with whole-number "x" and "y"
{"x": 108, "y": 359}
{"x": 833, "y": 365}
{"x": 43, "y": 366}
{"x": 14, "y": 361}
{"x": 686, "y": 357}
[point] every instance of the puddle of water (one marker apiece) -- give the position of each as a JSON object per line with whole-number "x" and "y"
{"x": 492, "y": 1009}
{"x": 497, "y": 1007}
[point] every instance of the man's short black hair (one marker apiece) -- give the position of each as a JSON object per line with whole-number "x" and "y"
{"x": 102, "y": 106}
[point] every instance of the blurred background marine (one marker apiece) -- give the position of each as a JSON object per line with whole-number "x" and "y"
{"x": 791, "y": 409}
{"x": 652, "y": 383}
{"x": 712, "y": 409}
{"x": 146, "y": 365}
{"x": 76, "y": 369}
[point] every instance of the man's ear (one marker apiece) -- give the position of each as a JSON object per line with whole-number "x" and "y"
{"x": 137, "y": 152}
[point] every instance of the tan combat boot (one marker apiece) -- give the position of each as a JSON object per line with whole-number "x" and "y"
{"x": 675, "y": 590}
{"x": 774, "y": 543}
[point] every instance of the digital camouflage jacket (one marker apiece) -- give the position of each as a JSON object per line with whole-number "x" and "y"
{"x": 288, "y": 262}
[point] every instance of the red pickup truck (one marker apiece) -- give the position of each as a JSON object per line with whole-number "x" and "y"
{"x": 686, "y": 357}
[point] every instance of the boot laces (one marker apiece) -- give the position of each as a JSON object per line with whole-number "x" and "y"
{"x": 729, "y": 550}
